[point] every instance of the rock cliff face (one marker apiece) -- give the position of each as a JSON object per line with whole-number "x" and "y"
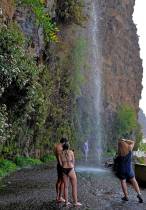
{"x": 8, "y": 8}
{"x": 71, "y": 108}
{"x": 122, "y": 66}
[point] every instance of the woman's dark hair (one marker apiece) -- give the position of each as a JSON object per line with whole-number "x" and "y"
{"x": 66, "y": 146}
{"x": 63, "y": 140}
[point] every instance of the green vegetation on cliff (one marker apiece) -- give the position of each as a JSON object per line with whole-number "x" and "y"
{"x": 82, "y": 116}
{"x": 16, "y": 72}
{"x": 126, "y": 120}
{"x": 70, "y": 11}
{"x": 36, "y": 100}
{"x": 42, "y": 18}
{"x": 78, "y": 61}
{"x": 8, "y": 166}
{"x": 30, "y": 115}
{"x": 127, "y": 125}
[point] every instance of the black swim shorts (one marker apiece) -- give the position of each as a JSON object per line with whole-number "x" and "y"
{"x": 59, "y": 171}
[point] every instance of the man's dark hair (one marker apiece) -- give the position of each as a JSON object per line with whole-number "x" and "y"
{"x": 66, "y": 146}
{"x": 63, "y": 140}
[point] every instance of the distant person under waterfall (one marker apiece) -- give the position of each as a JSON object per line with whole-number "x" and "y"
{"x": 86, "y": 149}
{"x": 99, "y": 152}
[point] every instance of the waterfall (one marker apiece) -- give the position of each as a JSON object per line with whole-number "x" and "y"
{"x": 89, "y": 103}
{"x": 95, "y": 63}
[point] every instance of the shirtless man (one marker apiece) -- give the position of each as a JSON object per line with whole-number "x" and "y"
{"x": 59, "y": 184}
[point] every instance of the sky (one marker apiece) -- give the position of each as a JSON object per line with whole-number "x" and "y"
{"x": 139, "y": 18}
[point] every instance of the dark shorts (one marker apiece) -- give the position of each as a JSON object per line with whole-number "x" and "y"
{"x": 126, "y": 175}
{"x": 59, "y": 171}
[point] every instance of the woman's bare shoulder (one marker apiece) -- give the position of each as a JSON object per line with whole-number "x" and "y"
{"x": 71, "y": 151}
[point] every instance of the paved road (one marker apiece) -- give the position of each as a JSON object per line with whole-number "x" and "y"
{"x": 34, "y": 189}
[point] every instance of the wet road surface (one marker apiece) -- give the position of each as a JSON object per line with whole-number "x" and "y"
{"x": 34, "y": 189}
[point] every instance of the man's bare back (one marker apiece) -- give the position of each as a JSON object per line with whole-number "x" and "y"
{"x": 57, "y": 150}
{"x": 59, "y": 184}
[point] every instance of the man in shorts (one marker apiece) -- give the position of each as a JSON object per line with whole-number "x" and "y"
{"x": 59, "y": 183}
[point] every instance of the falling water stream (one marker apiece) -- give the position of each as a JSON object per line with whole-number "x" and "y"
{"x": 94, "y": 57}
{"x": 96, "y": 68}
{"x": 95, "y": 71}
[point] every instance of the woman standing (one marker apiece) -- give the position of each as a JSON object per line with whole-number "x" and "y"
{"x": 66, "y": 159}
{"x": 124, "y": 168}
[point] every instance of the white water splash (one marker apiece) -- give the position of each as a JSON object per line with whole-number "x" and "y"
{"x": 81, "y": 169}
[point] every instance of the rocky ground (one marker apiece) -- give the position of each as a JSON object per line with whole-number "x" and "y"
{"x": 34, "y": 189}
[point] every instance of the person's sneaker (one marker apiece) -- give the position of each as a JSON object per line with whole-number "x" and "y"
{"x": 67, "y": 204}
{"x": 125, "y": 198}
{"x": 77, "y": 204}
{"x": 140, "y": 198}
